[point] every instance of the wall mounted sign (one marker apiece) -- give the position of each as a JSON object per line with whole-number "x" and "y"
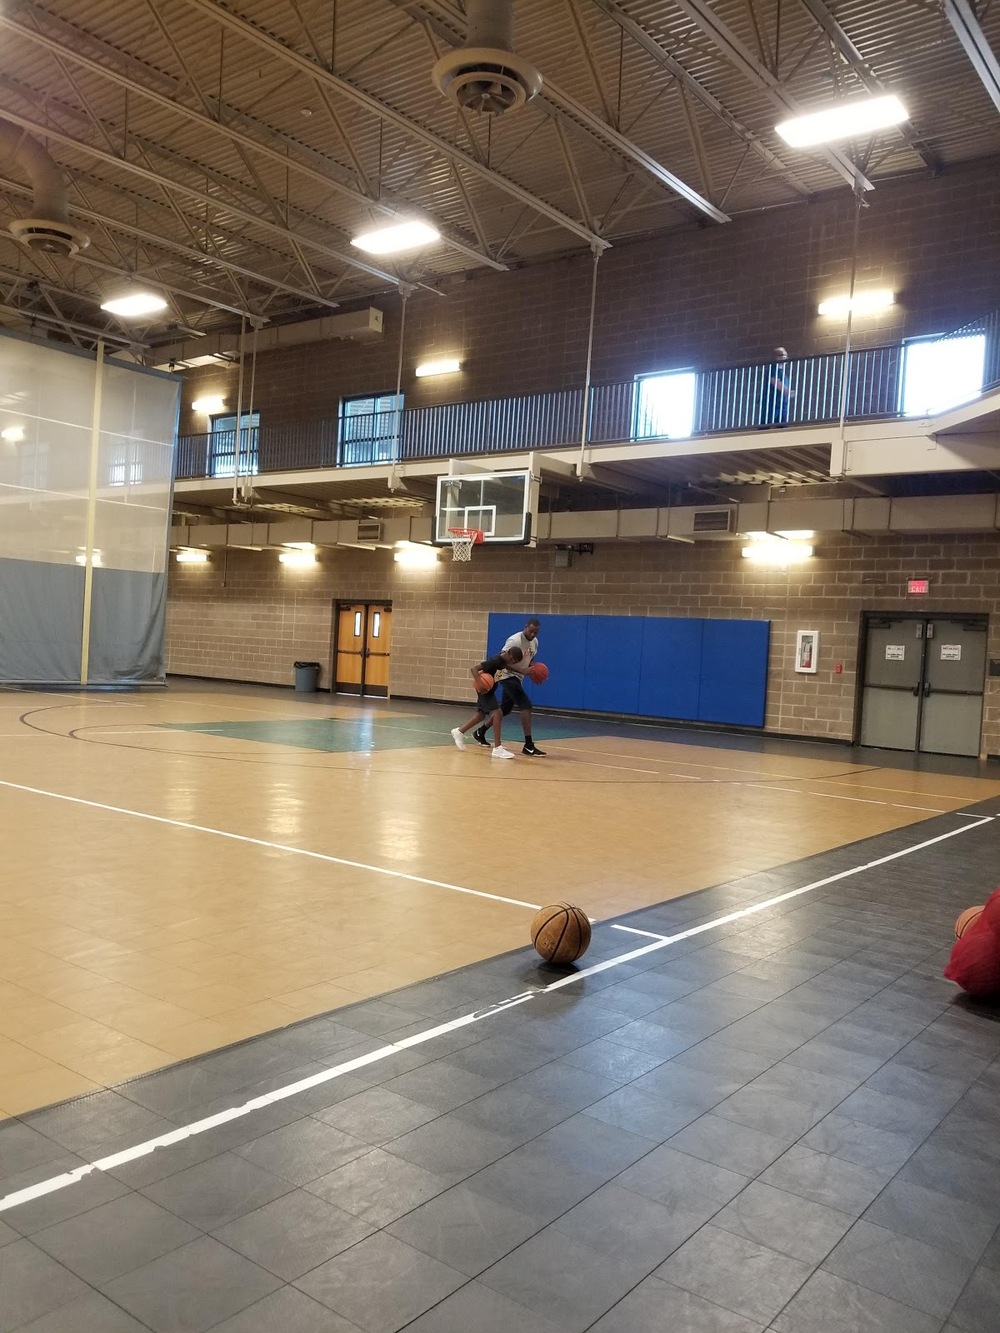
{"x": 895, "y": 652}
{"x": 951, "y": 652}
{"x": 918, "y": 587}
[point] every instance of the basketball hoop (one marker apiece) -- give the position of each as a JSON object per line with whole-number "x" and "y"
{"x": 462, "y": 541}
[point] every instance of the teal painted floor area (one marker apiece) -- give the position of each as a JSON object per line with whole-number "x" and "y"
{"x": 340, "y": 735}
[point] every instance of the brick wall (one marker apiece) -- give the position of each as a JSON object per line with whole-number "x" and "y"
{"x": 699, "y": 297}
{"x": 249, "y": 618}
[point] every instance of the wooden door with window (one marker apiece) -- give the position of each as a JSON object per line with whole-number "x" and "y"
{"x": 363, "y": 644}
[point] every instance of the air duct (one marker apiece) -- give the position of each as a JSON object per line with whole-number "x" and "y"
{"x": 50, "y": 229}
{"x": 485, "y": 74}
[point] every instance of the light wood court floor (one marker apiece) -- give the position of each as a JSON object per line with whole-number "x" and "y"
{"x": 186, "y": 868}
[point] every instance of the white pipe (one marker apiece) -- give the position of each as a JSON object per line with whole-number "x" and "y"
{"x": 490, "y": 23}
{"x": 50, "y": 203}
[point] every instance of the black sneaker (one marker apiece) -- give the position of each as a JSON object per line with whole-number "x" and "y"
{"x": 479, "y": 734}
{"x": 533, "y": 749}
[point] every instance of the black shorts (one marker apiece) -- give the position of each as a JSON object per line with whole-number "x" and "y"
{"x": 514, "y": 695}
{"x": 487, "y": 703}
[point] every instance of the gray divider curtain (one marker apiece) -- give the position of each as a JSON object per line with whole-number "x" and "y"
{"x": 86, "y": 466}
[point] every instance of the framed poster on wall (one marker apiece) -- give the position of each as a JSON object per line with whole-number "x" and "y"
{"x": 806, "y": 650}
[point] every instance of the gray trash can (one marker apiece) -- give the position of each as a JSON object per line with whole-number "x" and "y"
{"x": 306, "y": 677}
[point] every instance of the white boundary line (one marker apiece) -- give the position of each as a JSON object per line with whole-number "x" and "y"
{"x": 55, "y": 1183}
{"x": 273, "y": 846}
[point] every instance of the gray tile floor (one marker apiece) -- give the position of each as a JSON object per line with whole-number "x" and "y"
{"x": 788, "y": 1123}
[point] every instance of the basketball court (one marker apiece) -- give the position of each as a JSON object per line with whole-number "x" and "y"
{"x": 190, "y": 868}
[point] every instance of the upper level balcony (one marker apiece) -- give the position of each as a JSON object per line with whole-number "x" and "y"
{"x": 791, "y": 422}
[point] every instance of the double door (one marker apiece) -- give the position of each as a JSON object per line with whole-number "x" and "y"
{"x": 364, "y": 638}
{"x": 923, "y": 683}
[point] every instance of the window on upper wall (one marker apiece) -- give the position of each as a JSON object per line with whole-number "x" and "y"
{"x": 222, "y": 445}
{"x": 124, "y": 465}
{"x": 370, "y": 428}
{"x": 664, "y": 405}
{"x": 939, "y": 373}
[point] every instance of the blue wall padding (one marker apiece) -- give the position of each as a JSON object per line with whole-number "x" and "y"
{"x": 734, "y": 671}
{"x": 670, "y": 667}
{"x": 611, "y": 671}
{"x": 649, "y": 666}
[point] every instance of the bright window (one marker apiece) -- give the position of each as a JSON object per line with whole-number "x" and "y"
{"x": 939, "y": 373}
{"x": 222, "y": 445}
{"x": 664, "y": 405}
{"x": 370, "y": 428}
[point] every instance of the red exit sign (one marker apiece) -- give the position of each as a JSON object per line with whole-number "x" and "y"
{"x": 918, "y": 587}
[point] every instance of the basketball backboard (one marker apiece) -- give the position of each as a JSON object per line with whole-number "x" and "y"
{"x": 500, "y": 504}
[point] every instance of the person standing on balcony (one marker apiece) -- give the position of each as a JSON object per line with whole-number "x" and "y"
{"x": 777, "y": 392}
{"x": 511, "y": 683}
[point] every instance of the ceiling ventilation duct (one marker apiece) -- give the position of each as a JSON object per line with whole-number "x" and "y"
{"x": 485, "y": 74}
{"x": 49, "y": 229}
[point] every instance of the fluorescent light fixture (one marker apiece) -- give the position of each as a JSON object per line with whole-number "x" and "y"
{"x": 132, "y": 305}
{"x": 297, "y": 559}
{"x": 843, "y": 120}
{"x": 412, "y": 555}
{"x": 448, "y": 366}
{"x": 206, "y": 406}
{"x": 862, "y": 303}
{"x": 12, "y": 434}
{"x": 400, "y": 236}
{"x": 299, "y": 546}
{"x": 191, "y": 557}
{"x": 777, "y": 553}
{"x": 81, "y": 559}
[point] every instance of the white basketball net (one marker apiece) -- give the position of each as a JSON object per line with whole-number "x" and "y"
{"x": 462, "y": 541}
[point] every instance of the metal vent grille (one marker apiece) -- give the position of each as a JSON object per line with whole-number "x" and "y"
{"x": 712, "y": 520}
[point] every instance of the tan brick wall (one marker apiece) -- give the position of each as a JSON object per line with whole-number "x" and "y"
{"x": 698, "y": 297}
{"x": 249, "y": 618}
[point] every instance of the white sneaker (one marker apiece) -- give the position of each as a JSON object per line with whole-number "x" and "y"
{"x": 499, "y": 752}
{"x": 458, "y": 738}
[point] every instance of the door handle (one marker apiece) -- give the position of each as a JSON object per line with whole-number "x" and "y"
{"x": 916, "y": 690}
{"x": 927, "y": 689}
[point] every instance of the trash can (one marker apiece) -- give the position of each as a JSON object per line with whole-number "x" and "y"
{"x": 306, "y": 677}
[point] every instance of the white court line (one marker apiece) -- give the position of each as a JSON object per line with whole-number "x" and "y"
{"x": 650, "y": 934}
{"x": 860, "y": 800}
{"x": 419, "y": 1038}
{"x": 274, "y": 846}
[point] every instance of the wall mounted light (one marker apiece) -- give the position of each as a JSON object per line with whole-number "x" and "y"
{"x": 133, "y": 304}
{"x": 208, "y": 406}
{"x": 189, "y": 557}
{"x": 862, "y": 303}
{"x": 413, "y": 555}
{"x": 448, "y": 366}
{"x": 297, "y": 559}
{"x": 13, "y": 434}
{"x": 400, "y": 236}
{"x": 778, "y": 552}
{"x": 95, "y": 558}
{"x": 855, "y": 118}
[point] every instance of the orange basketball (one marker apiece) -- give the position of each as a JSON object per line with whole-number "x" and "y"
{"x": 966, "y": 919}
{"x": 561, "y": 933}
{"x": 483, "y": 682}
{"x": 538, "y": 672}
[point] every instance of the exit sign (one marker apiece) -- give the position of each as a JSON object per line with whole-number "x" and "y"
{"x": 918, "y": 587}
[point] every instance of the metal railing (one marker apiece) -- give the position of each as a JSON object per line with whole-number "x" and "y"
{"x": 730, "y": 398}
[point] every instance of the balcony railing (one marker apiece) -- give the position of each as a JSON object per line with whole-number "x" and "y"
{"x": 732, "y": 398}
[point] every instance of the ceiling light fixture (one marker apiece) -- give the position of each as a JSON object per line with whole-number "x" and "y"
{"x": 862, "y": 303}
{"x": 95, "y": 560}
{"x": 297, "y": 559}
{"x": 206, "y": 406}
{"x": 189, "y": 557}
{"x": 777, "y": 552}
{"x": 447, "y": 366}
{"x": 400, "y": 236}
{"x": 843, "y": 120}
{"x": 134, "y": 304}
{"x": 13, "y": 434}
